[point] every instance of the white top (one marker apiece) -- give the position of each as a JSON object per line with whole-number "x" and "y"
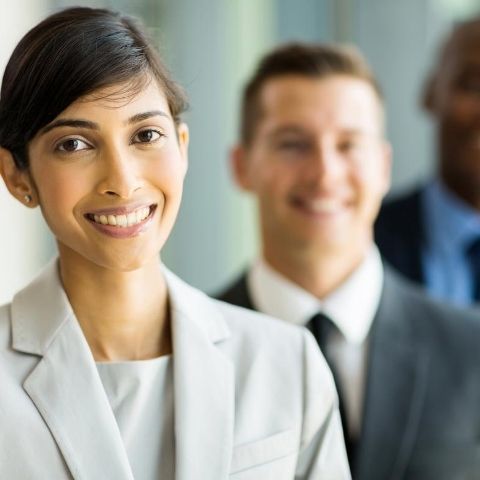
{"x": 141, "y": 396}
{"x": 351, "y": 307}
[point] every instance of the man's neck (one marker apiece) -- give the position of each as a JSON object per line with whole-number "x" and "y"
{"x": 319, "y": 273}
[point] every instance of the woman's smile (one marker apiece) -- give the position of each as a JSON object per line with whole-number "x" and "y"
{"x": 122, "y": 222}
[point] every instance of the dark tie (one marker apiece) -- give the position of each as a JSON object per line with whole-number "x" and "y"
{"x": 322, "y": 327}
{"x": 473, "y": 256}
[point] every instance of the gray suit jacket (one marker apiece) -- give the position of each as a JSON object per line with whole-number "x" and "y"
{"x": 253, "y": 399}
{"x": 421, "y": 417}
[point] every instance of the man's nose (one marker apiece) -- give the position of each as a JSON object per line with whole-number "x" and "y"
{"x": 325, "y": 165}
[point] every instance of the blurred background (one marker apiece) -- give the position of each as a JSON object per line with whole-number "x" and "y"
{"x": 211, "y": 47}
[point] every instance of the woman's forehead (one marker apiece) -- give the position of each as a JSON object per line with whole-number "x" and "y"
{"x": 126, "y": 95}
{"x": 122, "y": 93}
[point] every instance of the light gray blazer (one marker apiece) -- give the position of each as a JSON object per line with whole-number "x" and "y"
{"x": 253, "y": 396}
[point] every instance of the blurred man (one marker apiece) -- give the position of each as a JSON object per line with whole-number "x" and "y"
{"x": 312, "y": 151}
{"x": 432, "y": 235}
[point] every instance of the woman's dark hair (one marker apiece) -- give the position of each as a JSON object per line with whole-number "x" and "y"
{"x": 68, "y": 55}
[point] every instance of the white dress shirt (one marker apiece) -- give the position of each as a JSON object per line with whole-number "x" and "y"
{"x": 351, "y": 307}
{"x": 141, "y": 396}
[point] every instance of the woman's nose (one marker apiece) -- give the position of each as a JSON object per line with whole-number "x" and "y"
{"x": 120, "y": 175}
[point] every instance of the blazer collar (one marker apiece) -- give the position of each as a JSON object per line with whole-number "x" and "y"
{"x": 65, "y": 380}
{"x": 204, "y": 385}
{"x": 39, "y": 311}
{"x": 42, "y": 308}
{"x": 64, "y": 385}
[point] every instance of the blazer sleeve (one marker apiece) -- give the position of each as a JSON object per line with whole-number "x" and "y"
{"x": 322, "y": 449}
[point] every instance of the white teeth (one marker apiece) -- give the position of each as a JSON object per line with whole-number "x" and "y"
{"x": 323, "y": 205}
{"x": 131, "y": 219}
{"x": 123, "y": 220}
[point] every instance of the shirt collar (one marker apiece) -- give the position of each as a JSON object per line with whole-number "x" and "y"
{"x": 451, "y": 223}
{"x": 352, "y": 306}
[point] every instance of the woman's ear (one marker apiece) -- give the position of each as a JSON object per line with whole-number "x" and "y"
{"x": 18, "y": 181}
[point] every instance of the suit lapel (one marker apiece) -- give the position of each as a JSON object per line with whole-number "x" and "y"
{"x": 204, "y": 386}
{"x": 238, "y": 294}
{"x": 395, "y": 390}
{"x": 64, "y": 385}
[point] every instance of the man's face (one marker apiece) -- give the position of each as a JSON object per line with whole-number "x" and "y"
{"x": 454, "y": 101}
{"x": 317, "y": 163}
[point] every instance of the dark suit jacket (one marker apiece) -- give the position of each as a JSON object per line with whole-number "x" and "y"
{"x": 421, "y": 417}
{"x": 400, "y": 234}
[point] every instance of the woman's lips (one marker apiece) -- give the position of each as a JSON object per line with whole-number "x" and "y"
{"x": 122, "y": 222}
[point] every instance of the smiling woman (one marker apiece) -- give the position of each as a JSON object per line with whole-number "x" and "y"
{"x": 112, "y": 367}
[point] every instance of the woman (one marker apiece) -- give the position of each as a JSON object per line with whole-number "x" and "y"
{"x": 110, "y": 366}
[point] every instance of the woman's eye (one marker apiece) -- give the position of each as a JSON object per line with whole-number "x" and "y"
{"x": 147, "y": 136}
{"x": 72, "y": 145}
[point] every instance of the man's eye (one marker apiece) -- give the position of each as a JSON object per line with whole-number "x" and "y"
{"x": 471, "y": 87}
{"x": 147, "y": 136}
{"x": 72, "y": 145}
{"x": 348, "y": 146}
{"x": 293, "y": 145}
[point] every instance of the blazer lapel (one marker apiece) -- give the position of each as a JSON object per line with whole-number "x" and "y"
{"x": 204, "y": 386}
{"x": 64, "y": 385}
{"x": 395, "y": 391}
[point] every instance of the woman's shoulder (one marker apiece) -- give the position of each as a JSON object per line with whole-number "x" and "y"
{"x": 4, "y": 325}
{"x": 263, "y": 332}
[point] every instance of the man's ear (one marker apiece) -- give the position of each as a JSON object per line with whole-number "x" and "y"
{"x": 428, "y": 100}
{"x": 387, "y": 166}
{"x": 240, "y": 167}
{"x": 18, "y": 181}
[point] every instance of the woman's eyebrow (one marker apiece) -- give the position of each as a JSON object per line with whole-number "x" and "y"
{"x": 77, "y": 123}
{"x": 67, "y": 122}
{"x": 143, "y": 116}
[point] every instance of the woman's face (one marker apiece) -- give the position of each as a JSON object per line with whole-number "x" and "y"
{"x": 108, "y": 174}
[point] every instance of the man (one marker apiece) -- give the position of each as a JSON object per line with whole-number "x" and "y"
{"x": 312, "y": 151}
{"x": 432, "y": 235}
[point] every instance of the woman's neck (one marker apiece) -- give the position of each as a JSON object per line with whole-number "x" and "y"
{"x": 123, "y": 315}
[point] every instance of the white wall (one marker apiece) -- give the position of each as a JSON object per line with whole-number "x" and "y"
{"x": 24, "y": 244}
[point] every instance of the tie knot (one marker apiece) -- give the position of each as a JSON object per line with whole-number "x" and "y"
{"x": 321, "y": 326}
